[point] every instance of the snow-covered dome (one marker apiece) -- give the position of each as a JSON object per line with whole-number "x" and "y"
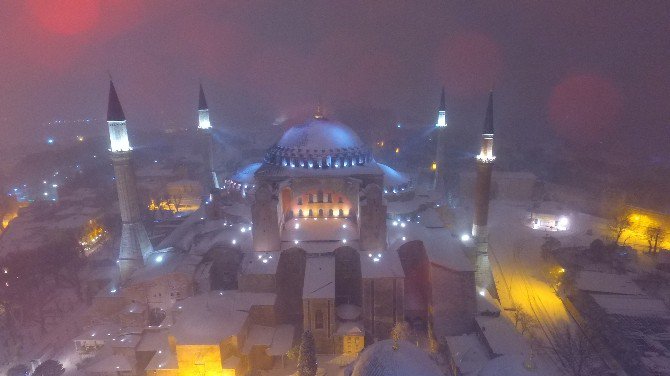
{"x": 380, "y": 359}
{"x": 393, "y": 180}
{"x": 319, "y": 143}
{"x": 245, "y": 175}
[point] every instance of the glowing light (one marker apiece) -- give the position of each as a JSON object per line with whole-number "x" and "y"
{"x": 482, "y": 292}
{"x": 50, "y": 141}
{"x": 118, "y": 136}
{"x": 265, "y": 261}
{"x": 296, "y": 226}
{"x": 112, "y": 291}
{"x": 296, "y": 241}
{"x": 344, "y": 226}
{"x": 395, "y": 223}
{"x": 80, "y": 138}
{"x": 243, "y": 229}
{"x": 397, "y": 150}
{"x": 203, "y": 119}
{"x": 404, "y": 238}
{"x": 562, "y": 223}
{"x": 402, "y": 224}
{"x": 159, "y": 259}
{"x": 465, "y": 238}
{"x": 344, "y": 241}
{"x": 441, "y": 119}
{"x": 234, "y": 242}
{"x": 433, "y": 166}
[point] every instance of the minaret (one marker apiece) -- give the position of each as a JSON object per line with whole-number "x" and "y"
{"x": 485, "y": 159}
{"x": 135, "y": 244}
{"x": 438, "y": 164}
{"x": 211, "y": 181}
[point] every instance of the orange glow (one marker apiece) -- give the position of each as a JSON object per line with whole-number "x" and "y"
{"x": 93, "y": 235}
{"x": 640, "y": 221}
{"x": 397, "y": 150}
{"x": 433, "y": 166}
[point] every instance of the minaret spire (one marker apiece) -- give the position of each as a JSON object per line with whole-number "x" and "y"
{"x": 438, "y": 163}
{"x": 211, "y": 181}
{"x": 202, "y": 102}
{"x": 135, "y": 244}
{"x": 485, "y": 159}
{"x": 114, "y": 109}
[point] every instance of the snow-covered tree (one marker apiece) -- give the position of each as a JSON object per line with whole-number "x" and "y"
{"x": 49, "y": 368}
{"x": 19, "y": 370}
{"x": 307, "y": 365}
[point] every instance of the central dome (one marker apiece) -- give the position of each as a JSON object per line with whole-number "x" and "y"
{"x": 319, "y": 143}
{"x": 319, "y": 135}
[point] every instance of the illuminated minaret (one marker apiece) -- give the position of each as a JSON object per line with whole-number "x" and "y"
{"x": 204, "y": 125}
{"x": 485, "y": 159}
{"x": 438, "y": 164}
{"x": 135, "y": 244}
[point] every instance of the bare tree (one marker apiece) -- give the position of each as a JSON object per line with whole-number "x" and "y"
{"x": 618, "y": 224}
{"x": 571, "y": 350}
{"x": 524, "y": 321}
{"x": 654, "y": 235}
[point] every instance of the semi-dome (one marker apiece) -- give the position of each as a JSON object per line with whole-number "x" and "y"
{"x": 380, "y": 359}
{"x": 319, "y": 143}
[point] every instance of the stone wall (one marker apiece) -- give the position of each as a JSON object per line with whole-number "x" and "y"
{"x": 382, "y": 306}
{"x": 454, "y": 301}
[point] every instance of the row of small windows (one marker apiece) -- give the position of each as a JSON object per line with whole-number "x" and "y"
{"x": 325, "y": 162}
{"x": 320, "y": 213}
{"x": 319, "y": 197}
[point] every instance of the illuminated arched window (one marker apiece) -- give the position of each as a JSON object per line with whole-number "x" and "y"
{"x": 311, "y": 213}
{"x": 300, "y": 213}
{"x": 341, "y": 213}
{"x": 320, "y": 212}
{"x": 330, "y": 212}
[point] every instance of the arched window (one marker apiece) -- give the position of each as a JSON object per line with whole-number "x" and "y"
{"x": 341, "y": 213}
{"x": 300, "y": 213}
{"x": 311, "y": 213}
{"x": 330, "y": 212}
{"x": 320, "y": 212}
{"x": 318, "y": 319}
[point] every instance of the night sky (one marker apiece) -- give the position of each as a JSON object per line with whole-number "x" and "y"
{"x": 593, "y": 73}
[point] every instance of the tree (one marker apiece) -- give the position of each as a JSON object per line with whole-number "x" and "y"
{"x": 399, "y": 332}
{"x": 571, "y": 349}
{"x": 618, "y": 224}
{"x": 307, "y": 365}
{"x": 654, "y": 235}
{"x": 523, "y": 321}
{"x": 550, "y": 244}
{"x": 19, "y": 370}
{"x": 49, "y": 368}
{"x": 596, "y": 250}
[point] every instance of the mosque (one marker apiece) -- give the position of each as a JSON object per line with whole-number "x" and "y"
{"x": 316, "y": 236}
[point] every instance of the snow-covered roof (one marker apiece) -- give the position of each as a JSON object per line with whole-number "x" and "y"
{"x": 112, "y": 363}
{"x": 258, "y": 335}
{"x": 245, "y": 175}
{"x": 608, "y": 283}
{"x": 468, "y": 353}
{"x": 153, "y": 340}
{"x": 282, "y": 341}
{"x": 349, "y": 328}
{"x": 380, "y": 359}
{"x": 506, "y": 365}
{"x": 348, "y": 311}
{"x": 319, "y": 278}
{"x": 215, "y": 316}
{"x": 501, "y": 336}
{"x": 162, "y": 263}
{"x": 163, "y": 359}
{"x": 318, "y": 134}
{"x": 632, "y": 306}
{"x": 383, "y": 264}
{"x": 319, "y": 229}
{"x": 442, "y": 248}
{"x": 393, "y": 178}
{"x": 259, "y": 263}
